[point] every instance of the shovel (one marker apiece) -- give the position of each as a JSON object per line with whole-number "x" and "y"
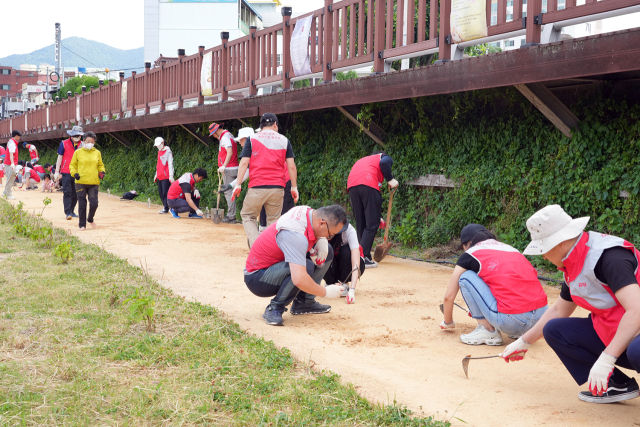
{"x": 217, "y": 214}
{"x": 383, "y": 249}
{"x": 465, "y": 362}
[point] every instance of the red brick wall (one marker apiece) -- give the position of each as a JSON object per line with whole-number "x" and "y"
{"x": 16, "y": 79}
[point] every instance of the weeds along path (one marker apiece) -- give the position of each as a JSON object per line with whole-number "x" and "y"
{"x": 388, "y": 344}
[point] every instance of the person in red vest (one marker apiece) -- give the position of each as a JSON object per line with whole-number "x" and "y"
{"x": 183, "y": 196}
{"x": 287, "y": 202}
{"x": 10, "y": 163}
{"x": 601, "y": 275}
{"x": 29, "y": 174}
{"x": 2, "y": 156}
{"x": 227, "y": 166}
{"x": 65, "y": 154}
{"x": 266, "y": 153}
{"x": 164, "y": 172}
{"x": 33, "y": 152}
{"x": 279, "y": 264}
{"x": 363, "y": 185}
{"x": 499, "y": 285}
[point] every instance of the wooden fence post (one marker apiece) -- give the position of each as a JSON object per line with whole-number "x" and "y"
{"x": 286, "y": 47}
{"x": 131, "y": 100}
{"x": 327, "y": 74}
{"x": 147, "y": 67}
{"x": 534, "y": 22}
{"x": 253, "y": 60}
{"x": 200, "y": 62}
{"x": 181, "y": 78}
{"x": 444, "y": 52}
{"x": 225, "y": 71}
{"x": 379, "y": 37}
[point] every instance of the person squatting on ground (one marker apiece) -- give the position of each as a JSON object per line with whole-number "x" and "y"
{"x": 266, "y": 153}
{"x": 33, "y": 152}
{"x": 227, "y": 166}
{"x": 164, "y": 172}
{"x": 10, "y": 163}
{"x": 183, "y": 196}
{"x": 600, "y": 275}
{"x": 348, "y": 262}
{"x": 29, "y": 174}
{"x": 278, "y": 265}
{"x": 65, "y": 154}
{"x": 498, "y": 284}
{"x": 87, "y": 169}
{"x": 363, "y": 185}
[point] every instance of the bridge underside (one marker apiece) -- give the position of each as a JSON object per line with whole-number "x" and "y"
{"x": 607, "y": 57}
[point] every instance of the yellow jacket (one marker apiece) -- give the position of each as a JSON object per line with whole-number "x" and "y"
{"x": 87, "y": 163}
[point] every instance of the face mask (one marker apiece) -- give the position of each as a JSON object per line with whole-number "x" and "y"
{"x": 75, "y": 138}
{"x": 88, "y": 146}
{"x": 160, "y": 147}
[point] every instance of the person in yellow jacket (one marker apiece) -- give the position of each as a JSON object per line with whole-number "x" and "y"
{"x": 87, "y": 168}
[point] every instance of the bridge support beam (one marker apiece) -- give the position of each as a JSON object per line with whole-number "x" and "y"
{"x": 44, "y": 142}
{"x": 373, "y": 130}
{"x": 121, "y": 139}
{"x": 197, "y": 135}
{"x": 549, "y": 105}
{"x": 146, "y": 133}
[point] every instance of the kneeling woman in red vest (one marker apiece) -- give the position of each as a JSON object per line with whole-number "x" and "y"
{"x": 499, "y": 285}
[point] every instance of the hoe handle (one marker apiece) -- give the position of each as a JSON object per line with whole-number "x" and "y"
{"x": 386, "y": 231}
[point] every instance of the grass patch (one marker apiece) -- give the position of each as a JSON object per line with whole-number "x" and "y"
{"x": 71, "y": 353}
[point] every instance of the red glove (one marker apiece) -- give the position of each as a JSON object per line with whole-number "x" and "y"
{"x": 101, "y": 175}
{"x": 383, "y": 224}
{"x": 236, "y": 192}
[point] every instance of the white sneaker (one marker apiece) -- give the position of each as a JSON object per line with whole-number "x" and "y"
{"x": 369, "y": 263}
{"x": 10, "y": 197}
{"x": 482, "y": 336}
{"x": 163, "y": 211}
{"x": 345, "y": 292}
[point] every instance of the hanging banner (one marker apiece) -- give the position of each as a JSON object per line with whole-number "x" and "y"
{"x": 205, "y": 75}
{"x": 123, "y": 96}
{"x": 300, "y": 46}
{"x": 468, "y": 20}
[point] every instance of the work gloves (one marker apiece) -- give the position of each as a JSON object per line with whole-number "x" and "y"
{"x": 333, "y": 291}
{"x": 393, "y": 183}
{"x": 600, "y": 374}
{"x": 295, "y": 194}
{"x": 351, "y": 297}
{"x": 196, "y": 193}
{"x": 76, "y": 176}
{"x": 199, "y": 212}
{"x": 101, "y": 175}
{"x": 221, "y": 169}
{"x": 515, "y": 351}
{"x": 236, "y": 192}
{"x": 445, "y": 325}
{"x": 56, "y": 177}
{"x": 224, "y": 188}
{"x": 383, "y": 224}
{"x": 319, "y": 256}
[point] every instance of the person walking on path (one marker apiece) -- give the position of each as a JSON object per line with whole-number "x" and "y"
{"x": 499, "y": 285}
{"x": 363, "y": 186}
{"x": 227, "y": 166}
{"x": 287, "y": 201}
{"x": 241, "y": 139}
{"x": 33, "y": 152}
{"x": 10, "y": 163}
{"x": 278, "y": 265}
{"x": 65, "y": 154}
{"x": 266, "y": 153}
{"x": 87, "y": 169}
{"x": 183, "y": 196}
{"x": 164, "y": 172}
{"x": 601, "y": 275}
{"x": 348, "y": 262}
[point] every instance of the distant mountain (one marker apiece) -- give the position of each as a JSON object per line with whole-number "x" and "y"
{"x": 100, "y": 55}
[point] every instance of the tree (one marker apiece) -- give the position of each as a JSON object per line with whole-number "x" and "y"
{"x": 74, "y": 85}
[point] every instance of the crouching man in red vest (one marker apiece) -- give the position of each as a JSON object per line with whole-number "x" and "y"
{"x": 278, "y": 265}
{"x": 601, "y": 275}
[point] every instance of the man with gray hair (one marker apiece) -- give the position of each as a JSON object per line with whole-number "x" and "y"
{"x": 290, "y": 258}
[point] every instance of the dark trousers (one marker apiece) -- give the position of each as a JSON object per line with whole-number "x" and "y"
{"x": 181, "y": 205}
{"x": 340, "y": 268}
{"x": 83, "y": 192}
{"x": 366, "y": 205}
{"x": 163, "y": 189}
{"x": 287, "y": 204}
{"x": 69, "y": 196}
{"x": 276, "y": 282}
{"x": 578, "y": 346}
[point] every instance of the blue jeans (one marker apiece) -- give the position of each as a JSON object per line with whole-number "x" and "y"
{"x": 483, "y": 305}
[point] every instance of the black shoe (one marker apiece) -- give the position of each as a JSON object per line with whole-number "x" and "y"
{"x": 614, "y": 393}
{"x": 273, "y": 316}
{"x": 369, "y": 263}
{"x": 313, "y": 307}
{"x": 228, "y": 220}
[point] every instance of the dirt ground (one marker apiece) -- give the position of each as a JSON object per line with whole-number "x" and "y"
{"x": 388, "y": 344}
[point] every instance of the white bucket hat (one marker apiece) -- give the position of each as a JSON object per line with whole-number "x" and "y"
{"x": 245, "y": 132}
{"x": 551, "y": 226}
{"x": 158, "y": 142}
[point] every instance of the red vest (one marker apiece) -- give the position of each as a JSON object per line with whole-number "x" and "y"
{"x": 32, "y": 153}
{"x": 265, "y": 251}
{"x": 510, "y": 276}
{"x": 7, "y": 159}
{"x": 175, "y": 191}
{"x": 586, "y": 290}
{"x": 162, "y": 168}
{"x": 39, "y": 169}
{"x": 222, "y": 152}
{"x": 69, "y": 149}
{"x": 268, "y": 159}
{"x": 367, "y": 172}
{"x": 32, "y": 174}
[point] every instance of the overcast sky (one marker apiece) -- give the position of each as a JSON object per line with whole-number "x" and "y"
{"x": 117, "y": 23}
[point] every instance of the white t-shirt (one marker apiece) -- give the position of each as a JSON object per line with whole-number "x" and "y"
{"x": 350, "y": 237}
{"x": 227, "y": 142}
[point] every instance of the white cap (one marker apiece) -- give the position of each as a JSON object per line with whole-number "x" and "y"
{"x": 159, "y": 141}
{"x": 551, "y": 226}
{"x": 245, "y": 132}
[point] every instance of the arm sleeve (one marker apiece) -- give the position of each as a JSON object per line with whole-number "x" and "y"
{"x": 290, "y": 154}
{"x": 226, "y": 141}
{"x": 186, "y": 187}
{"x": 100, "y": 164}
{"x": 616, "y": 268}
{"x": 73, "y": 166}
{"x": 246, "y": 151}
{"x": 294, "y": 246}
{"x": 170, "y": 163}
{"x": 468, "y": 262}
{"x": 385, "y": 166}
{"x": 352, "y": 238}
{"x": 61, "y": 149}
{"x": 565, "y": 294}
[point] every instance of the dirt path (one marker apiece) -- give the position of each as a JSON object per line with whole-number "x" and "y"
{"x": 388, "y": 344}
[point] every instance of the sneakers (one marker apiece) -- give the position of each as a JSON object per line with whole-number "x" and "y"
{"x": 195, "y": 215}
{"x": 73, "y": 215}
{"x": 69, "y": 217}
{"x": 163, "y": 211}
{"x": 174, "y": 214}
{"x": 228, "y": 220}
{"x": 369, "y": 263}
{"x": 273, "y": 316}
{"x": 10, "y": 197}
{"x": 345, "y": 292}
{"x": 614, "y": 393}
{"x": 313, "y": 307}
{"x": 482, "y": 336}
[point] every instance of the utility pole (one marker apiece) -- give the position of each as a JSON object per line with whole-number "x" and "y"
{"x": 58, "y": 52}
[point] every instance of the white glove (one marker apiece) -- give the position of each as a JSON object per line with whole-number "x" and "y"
{"x": 600, "y": 374}
{"x": 196, "y": 193}
{"x": 445, "y": 325}
{"x": 56, "y": 177}
{"x": 295, "y": 194}
{"x": 333, "y": 291}
{"x": 322, "y": 249}
{"x": 221, "y": 169}
{"x": 393, "y": 183}
{"x": 351, "y": 298}
{"x": 199, "y": 212}
{"x": 515, "y": 351}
